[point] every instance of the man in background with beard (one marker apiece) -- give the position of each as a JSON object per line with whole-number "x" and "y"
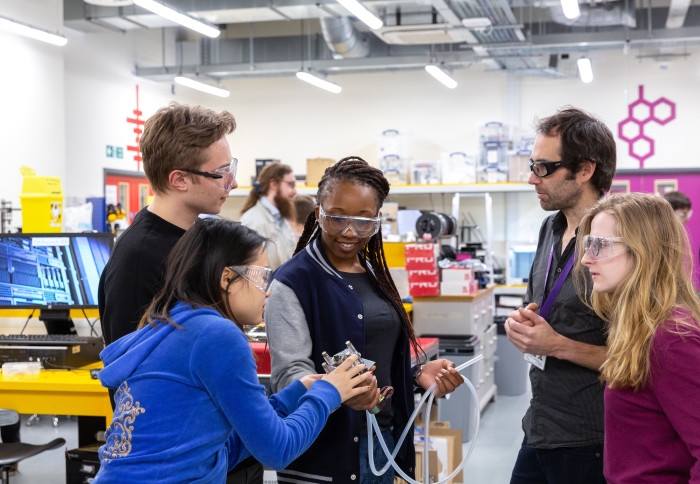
{"x": 269, "y": 209}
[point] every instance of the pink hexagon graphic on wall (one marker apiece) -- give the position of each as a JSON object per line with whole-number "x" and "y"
{"x": 640, "y": 113}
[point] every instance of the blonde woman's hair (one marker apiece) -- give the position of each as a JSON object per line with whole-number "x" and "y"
{"x": 658, "y": 288}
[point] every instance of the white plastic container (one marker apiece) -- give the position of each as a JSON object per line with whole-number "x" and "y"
{"x": 425, "y": 172}
{"x": 458, "y": 167}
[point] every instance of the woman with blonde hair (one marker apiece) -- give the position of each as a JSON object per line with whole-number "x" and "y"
{"x": 635, "y": 250}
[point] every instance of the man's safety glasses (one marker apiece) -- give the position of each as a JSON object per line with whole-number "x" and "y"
{"x": 260, "y": 277}
{"x": 338, "y": 224}
{"x": 542, "y": 169}
{"x": 601, "y": 248}
{"x": 225, "y": 173}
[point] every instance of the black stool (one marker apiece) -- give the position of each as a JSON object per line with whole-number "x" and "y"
{"x": 11, "y": 454}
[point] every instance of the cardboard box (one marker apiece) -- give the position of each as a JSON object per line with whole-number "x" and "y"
{"x": 315, "y": 168}
{"x": 424, "y": 288}
{"x": 432, "y": 464}
{"x": 421, "y": 256}
{"x": 458, "y": 288}
{"x": 423, "y": 275}
{"x": 447, "y": 443}
{"x": 454, "y": 275}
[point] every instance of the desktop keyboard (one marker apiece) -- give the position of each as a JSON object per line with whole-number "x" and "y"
{"x": 44, "y": 339}
{"x": 52, "y": 350}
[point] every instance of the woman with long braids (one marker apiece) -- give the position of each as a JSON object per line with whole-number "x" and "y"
{"x": 337, "y": 288}
{"x": 189, "y": 405}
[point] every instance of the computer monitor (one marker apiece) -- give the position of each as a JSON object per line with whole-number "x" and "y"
{"x": 53, "y": 272}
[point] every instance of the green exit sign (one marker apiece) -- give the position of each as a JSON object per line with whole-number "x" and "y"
{"x": 114, "y": 152}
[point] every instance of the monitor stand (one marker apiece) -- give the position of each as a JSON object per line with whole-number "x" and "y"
{"x": 57, "y": 321}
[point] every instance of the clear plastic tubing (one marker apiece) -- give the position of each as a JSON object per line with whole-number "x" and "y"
{"x": 430, "y": 396}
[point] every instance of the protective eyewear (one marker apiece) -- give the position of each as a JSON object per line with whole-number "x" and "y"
{"x": 260, "y": 277}
{"x": 601, "y": 248}
{"x": 542, "y": 169}
{"x": 227, "y": 173}
{"x": 339, "y": 224}
{"x": 684, "y": 213}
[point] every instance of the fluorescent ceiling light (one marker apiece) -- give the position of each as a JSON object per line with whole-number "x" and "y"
{"x": 361, "y": 12}
{"x": 476, "y": 23}
{"x": 318, "y": 82}
{"x": 570, "y": 9}
{"x": 32, "y": 32}
{"x": 441, "y": 75}
{"x": 200, "y": 86}
{"x": 179, "y": 17}
{"x": 585, "y": 70}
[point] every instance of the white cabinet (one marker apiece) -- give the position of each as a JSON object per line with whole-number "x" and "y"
{"x": 463, "y": 315}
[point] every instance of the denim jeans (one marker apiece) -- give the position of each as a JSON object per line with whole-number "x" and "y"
{"x": 565, "y": 465}
{"x": 366, "y": 475}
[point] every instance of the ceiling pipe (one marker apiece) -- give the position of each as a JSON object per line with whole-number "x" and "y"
{"x": 342, "y": 38}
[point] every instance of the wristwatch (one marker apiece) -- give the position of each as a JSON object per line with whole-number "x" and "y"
{"x": 417, "y": 370}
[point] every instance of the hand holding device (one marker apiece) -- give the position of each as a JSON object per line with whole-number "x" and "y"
{"x": 349, "y": 378}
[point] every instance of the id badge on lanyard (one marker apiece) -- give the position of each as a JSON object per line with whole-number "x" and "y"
{"x": 547, "y": 303}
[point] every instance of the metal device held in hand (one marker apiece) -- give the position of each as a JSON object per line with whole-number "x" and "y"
{"x": 333, "y": 362}
{"x": 336, "y": 360}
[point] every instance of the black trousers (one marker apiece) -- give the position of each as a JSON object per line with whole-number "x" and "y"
{"x": 248, "y": 471}
{"x": 10, "y": 433}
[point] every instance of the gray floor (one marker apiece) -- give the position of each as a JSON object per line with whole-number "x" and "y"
{"x": 497, "y": 445}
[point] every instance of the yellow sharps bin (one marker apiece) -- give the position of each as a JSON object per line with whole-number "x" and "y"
{"x": 42, "y": 202}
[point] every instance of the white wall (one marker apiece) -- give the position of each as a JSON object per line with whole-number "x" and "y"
{"x": 32, "y": 131}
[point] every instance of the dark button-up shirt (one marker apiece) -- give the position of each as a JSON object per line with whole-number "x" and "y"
{"x": 566, "y": 409}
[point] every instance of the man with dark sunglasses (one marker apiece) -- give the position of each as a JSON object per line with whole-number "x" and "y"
{"x": 572, "y": 165}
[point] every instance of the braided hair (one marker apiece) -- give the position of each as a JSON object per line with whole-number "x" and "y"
{"x": 356, "y": 170}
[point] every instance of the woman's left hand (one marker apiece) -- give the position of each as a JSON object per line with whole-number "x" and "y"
{"x": 308, "y": 380}
{"x": 443, "y": 372}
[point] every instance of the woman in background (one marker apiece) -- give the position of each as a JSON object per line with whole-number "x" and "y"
{"x": 189, "y": 405}
{"x": 635, "y": 250}
{"x": 337, "y": 288}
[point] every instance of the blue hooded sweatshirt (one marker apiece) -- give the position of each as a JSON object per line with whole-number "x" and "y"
{"x": 189, "y": 405}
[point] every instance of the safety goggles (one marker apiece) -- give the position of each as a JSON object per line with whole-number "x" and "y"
{"x": 684, "y": 213}
{"x": 601, "y": 248}
{"x": 224, "y": 176}
{"x": 542, "y": 169}
{"x": 339, "y": 224}
{"x": 260, "y": 277}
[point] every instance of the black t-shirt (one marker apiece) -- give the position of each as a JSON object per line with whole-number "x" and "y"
{"x": 382, "y": 331}
{"x": 134, "y": 273}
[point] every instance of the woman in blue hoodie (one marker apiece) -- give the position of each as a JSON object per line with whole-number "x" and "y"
{"x": 188, "y": 402}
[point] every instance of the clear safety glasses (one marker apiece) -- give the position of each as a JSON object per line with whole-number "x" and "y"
{"x": 260, "y": 277}
{"x": 684, "y": 213}
{"x": 223, "y": 177}
{"x": 601, "y": 248}
{"x": 338, "y": 224}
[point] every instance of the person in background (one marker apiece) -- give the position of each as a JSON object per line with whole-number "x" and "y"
{"x": 681, "y": 205}
{"x": 269, "y": 209}
{"x": 303, "y": 206}
{"x": 572, "y": 164}
{"x": 189, "y": 403}
{"x": 188, "y": 162}
{"x": 337, "y": 288}
{"x": 636, "y": 254}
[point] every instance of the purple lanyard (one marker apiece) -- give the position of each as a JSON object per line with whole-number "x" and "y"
{"x": 546, "y": 305}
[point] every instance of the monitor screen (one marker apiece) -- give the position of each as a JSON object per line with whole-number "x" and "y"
{"x": 52, "y": 271}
